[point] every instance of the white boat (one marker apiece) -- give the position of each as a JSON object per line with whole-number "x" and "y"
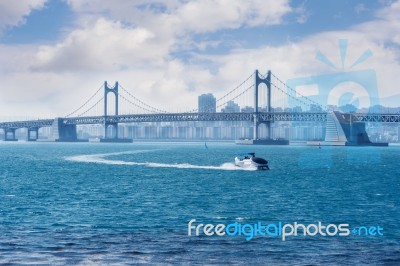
{"x": 249, "y": 160}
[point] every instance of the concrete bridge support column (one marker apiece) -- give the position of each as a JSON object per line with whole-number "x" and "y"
{"x": 269, "y": 129}
{"x": 8, "y": 132}
{"x": 255, "y": 126}
{"x": 63, "y": 132}
{"x": 33, "y": 130}
{"x": 115, "y": 126}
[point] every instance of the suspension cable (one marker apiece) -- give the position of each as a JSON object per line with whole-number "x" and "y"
{"x": 91, "y": 108}
{"x": 70, "y": 114}
{"x": 141, "y": 107}
{"x": 138, "y": 100}
{"x": 301, "y": 95}
{"x": 243, "y": 92}
{"x": 224, "y": 96}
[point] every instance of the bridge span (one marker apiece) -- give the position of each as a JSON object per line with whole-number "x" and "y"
{"x": 65, "y": 127}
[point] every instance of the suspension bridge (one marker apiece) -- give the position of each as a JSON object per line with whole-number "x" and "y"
{"x": 264, "y": 99}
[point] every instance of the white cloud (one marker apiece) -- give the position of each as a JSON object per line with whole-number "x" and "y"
{"x": 103, "y": 46}
{"x": 192, "y": 16}
{"x": 137, "y": 45}
{"x": 211, "y": 15}
{"x": 302, "y": 13}
{"x": 13, "y": 13}
{"x": 174, "y": 23}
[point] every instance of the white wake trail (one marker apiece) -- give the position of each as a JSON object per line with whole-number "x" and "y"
{"x": 101, "y": 159}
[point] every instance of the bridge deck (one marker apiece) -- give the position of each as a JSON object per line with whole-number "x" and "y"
{"x": 182, "y": 117}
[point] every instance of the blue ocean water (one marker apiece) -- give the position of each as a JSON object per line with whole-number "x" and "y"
{"x": 121, "y": 204}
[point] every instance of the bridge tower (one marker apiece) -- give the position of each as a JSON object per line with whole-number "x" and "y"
{"x": 113, "y": 90}
{"x": 256, "y": 123}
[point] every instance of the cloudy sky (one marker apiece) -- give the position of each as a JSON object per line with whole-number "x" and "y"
{"x": 54, "y": 54}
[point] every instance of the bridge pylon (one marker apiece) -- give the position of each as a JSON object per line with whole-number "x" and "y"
{"x": 267, "y": 81}
{"x": 107, "y": 123}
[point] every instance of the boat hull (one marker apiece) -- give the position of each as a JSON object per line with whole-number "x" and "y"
{"x": 252, "y": 163}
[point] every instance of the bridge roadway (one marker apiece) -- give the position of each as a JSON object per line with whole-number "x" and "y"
{"x": 182, "y": 117}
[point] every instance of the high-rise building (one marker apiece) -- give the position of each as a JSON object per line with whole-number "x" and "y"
{"x": 247, "y": 109}
{"x": 231, "y": 107}
{"x": 207, "y": 103}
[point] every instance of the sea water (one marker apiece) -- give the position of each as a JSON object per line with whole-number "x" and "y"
{"x": 119, "y": 204}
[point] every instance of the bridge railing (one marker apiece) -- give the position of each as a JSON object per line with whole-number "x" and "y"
{"x": 27, "y": 124}
{"x": 182, "y": 117}
{"x": 381, "y": 118}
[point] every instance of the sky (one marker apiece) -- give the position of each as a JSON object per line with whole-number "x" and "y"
{"x": 54, "y": 54}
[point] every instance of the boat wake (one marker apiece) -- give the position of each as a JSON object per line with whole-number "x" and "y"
{"x": 102, "y": 159}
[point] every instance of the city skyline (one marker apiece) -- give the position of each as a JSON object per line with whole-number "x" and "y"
{"x": 207, "y": 103}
